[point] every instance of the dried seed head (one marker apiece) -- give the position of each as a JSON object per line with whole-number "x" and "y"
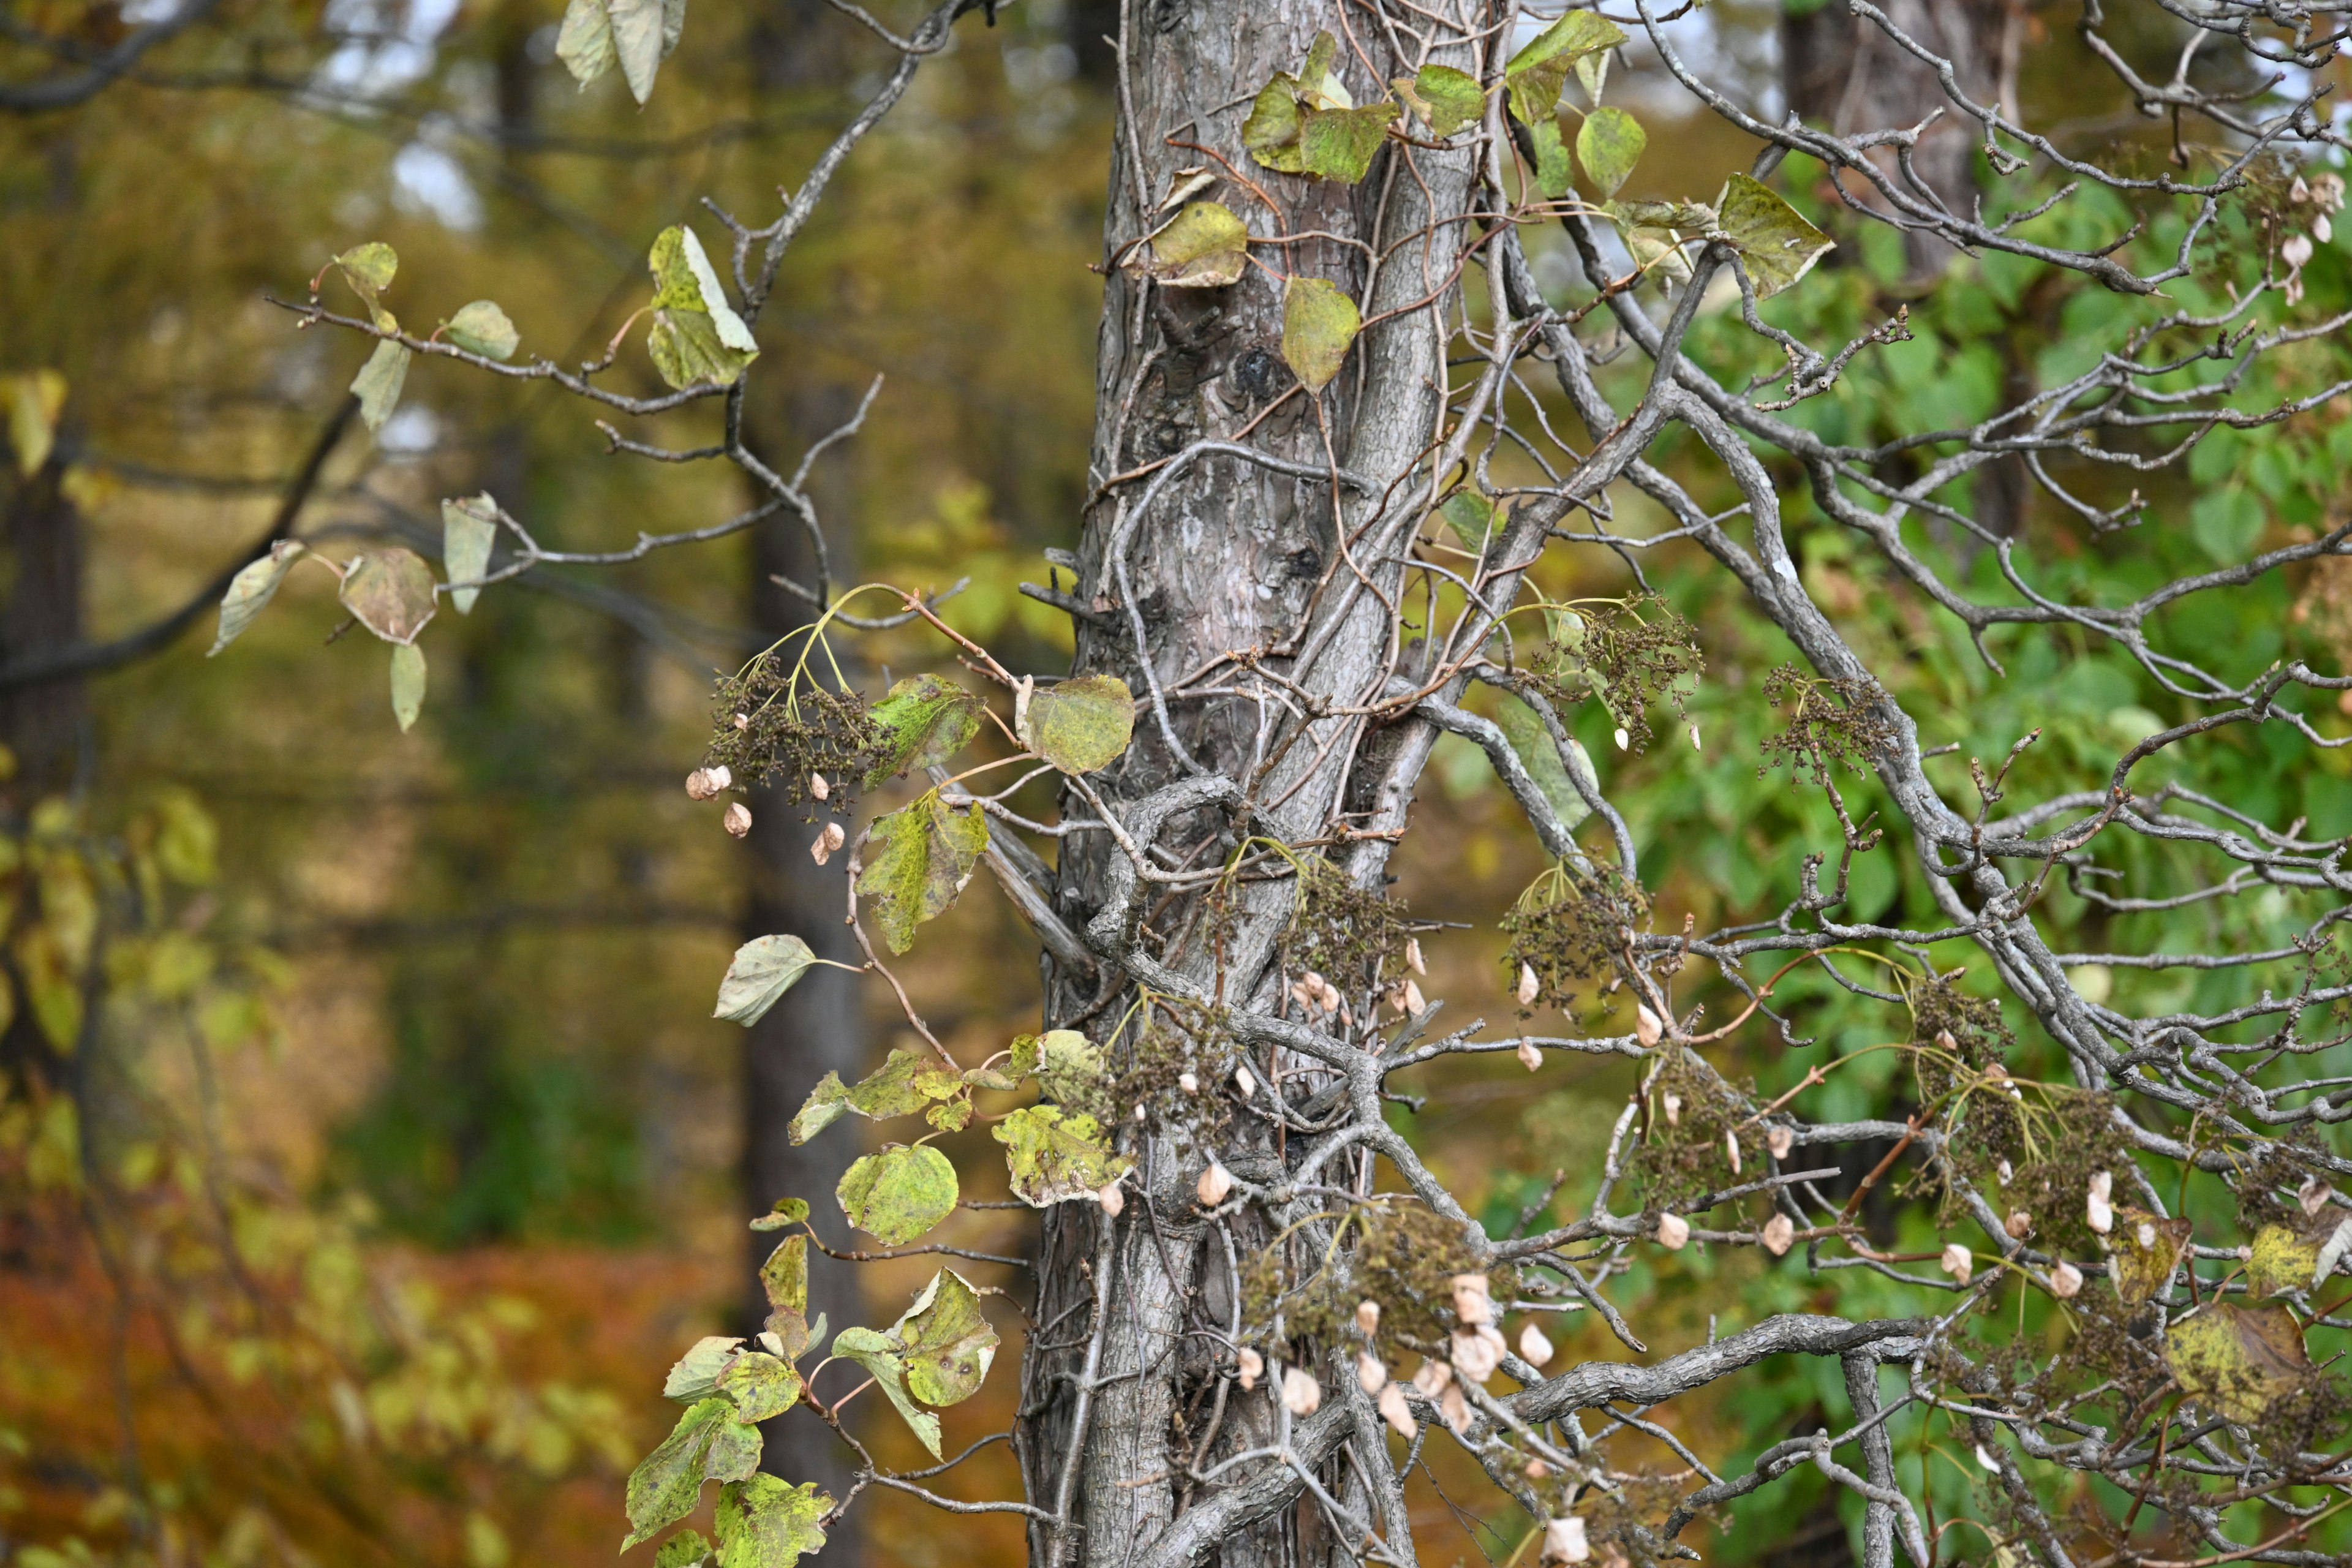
{"x": 1563, "y": 1539}
{"x": 1410, "y": 1001}
{"x": 1534, "y": 1348}
{"x": 1111, "y": 1199}
{"x": 2296, "y": 251}
{"x": 1216, "y": 1183}
{"x": 1986, "y": 1459}
{"x": 1957, "y": 1262}
{"x": 1432, "y": 1379}
{"x": 743, "y": 721}
{"x": 1188, "y": 1082}
{"x": 1396, "y": 1413}
{"x": 1731, "y": 1148}
{"x": 2006, "y": 1172}
{"x": 1413, "y": 956}
{"x": 1332, "y": 1001}
{"x": 737, "y": 820}
{"x": 1251, "y": 1365}
{"x": 721, "y": 776}
{"x": 1695, "y": 745}
{"x": 1370, "y": 1372}
{"x": 700, "y": 786}
{"x": 2064, "y": 1280}
{"x": 1673, "y": 1231}
{"x": 1779, "y": 1234}
{"x": 2146, "y": 1235}
{"x": 1454, "y": 1408}
{"x": 1529, "y": 988}
{"x": 1673, "y": 1105}
{"x": 1368, "y": 1317}
{"x": 1301, "y": 1394}
{"x": 1647, "y": 1027}
{"x": 2098, "y": 1212}
{"x": 1474, "y": 1357}
{"x": 818, "y": 788}
{"x": 2019, "y": 1225}
{"x": 1624, "y": 740}
{"x": 1473, "y": 1303}
{"x": 1779, "y": 1140}
{"x": 1245, "y": 1080}
{"x": 821, "y": 848}
{"x": 1529, "y": 1057}
{"x": 1140, "y": 1113}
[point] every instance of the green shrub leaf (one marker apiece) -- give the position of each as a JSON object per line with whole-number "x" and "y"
{"x": 945, "y": 1341}
{"x": 390, "y": 591}
{"x": 584, "y": 42}
{"x": 667, "y": 1482}
{"x": 1609, "y": 144}
{"x": 1534, "y": 76}
{"x": 1441, "y": 98}
{"x": 378, "y": 383}
{"x": 1205, "y": 247}
{"x": 762, "y": 970}
{"x": 407, "y": 684}
{"x": 1056, "y": 1155}
{"x": 468, "y": 529}
{"x": 762, "y": 1386}
{"x": 1339, "y": 143}
{"x": 898, "y": 1192}
{"x": 1082, "y": 724}
{"x": 481, "y": 328}
{"x": 1775, "y": 244}
{"x": 250, "y": 591}
{"x": 764, "y": 1523}
{"x": 924, "y": 720}
{"x": 1319, "y": 323}
{"x": 878, "y": 1353}
{"x": 918, "y": 860}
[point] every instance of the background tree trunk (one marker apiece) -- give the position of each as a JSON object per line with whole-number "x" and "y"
{"x": 1231, "y": 557}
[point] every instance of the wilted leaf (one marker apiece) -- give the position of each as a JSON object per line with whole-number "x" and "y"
{"x": 762, "y": 970}
{"x": 878, "y": 1353}
{"x": 1205, "y": 247}
{"x": 761, "y": 1386}
{"x": 1319, "y": 323}
{"x": 918, "y": 860}
{"x": 1082, "y": 724}
{"x": 1534, "y": 76}
{"x": 584, "y": 43}
{"x": 378, "y": 383}
{"x": 824, "y": 1106}
{"x": 1067, "y": 1063}
{"x": 687, "y": 351}
{"x": 1339, "y": 143}
{"x": 924, "y": 720}
{"x": 782, "y": 1213}
{"x": 1609, "y": 144}
{"x": 1775, "y": 243}
{"x": 2282, "y": 1260}
{"x": 785, "y": 1275}
{"x": 945, "y": 1341}
{"x": 687, "y": 1549}
{"x": 2238, "y": 1359}
{"x": 734, "y": 1451}
{"x": 2137, "y": 1271}
{"x": 1555, "y": 171}
{"x": 638, "y": 40}
{"x": 468, "y": 529}
{"x": 1444, "y": 100}
{"x": 35, "y": 398}
{"x": 1056, "y": 1156}
{"x": 667, "y": 1482}
{"x": 481, "y": 328}
{"x": 1271, "y": 132}
{"x": 697, "y": 1372}
{"x": 898, "y": 1192}
{"x": 1525, "y": 729}
{"x": 889, "y": 1091}
{"x": 1319, "y": 85}
{"x": 250, "y": 591}
{"x": 765, "y": 1523}
{"x": 390, "y": 591}
{"x": 407, "y": 684}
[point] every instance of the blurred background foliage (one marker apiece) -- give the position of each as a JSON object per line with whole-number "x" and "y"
{"x": 365, "y": 1150}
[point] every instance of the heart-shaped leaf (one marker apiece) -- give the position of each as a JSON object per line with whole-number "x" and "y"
{"x": 1081, "y": 724}
{"x": 2238, "y": 1359}
{"x": 1609, "y": 144}
{"x": 482, "y": 328}
{"x": 762, "y": 970}
{"x": 765, "y": 1522}
{"x": 1775, "y": 244}
{"x": 250, "y": 591}
{"x": 945, "y": 1343}
{"x": 878, "y": 1352}
{"x": 584, "y": 42}
{"x": 1205, "y": 247}
{"x": 1339, "y": 143}
{"x": 667, "y": 1482}
{"x": 923, "y": 721}
{"x": 1534, "y": 76}
{"x": 390, "y": 591}
{"x": 761, "y": 1386}
{"x": 898, "y": 1192}
{"x": 1056, "y": 1156}
{"x": 1443, "y": 99}
{"x": 918, "y": 860}
{"x": 1319, "y": 323}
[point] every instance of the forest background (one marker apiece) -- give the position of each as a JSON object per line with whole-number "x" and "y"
{"x": 352, "y": 1196}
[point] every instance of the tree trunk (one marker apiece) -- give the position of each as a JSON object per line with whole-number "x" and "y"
{"x": 1230, "y": 557}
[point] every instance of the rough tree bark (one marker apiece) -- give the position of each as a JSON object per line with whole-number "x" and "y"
{"x": 1226, "y": 557}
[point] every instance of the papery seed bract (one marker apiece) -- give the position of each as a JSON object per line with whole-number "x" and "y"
{"x": 1673, "y": 1231}
{"x": 737, "y": 820}
{"x": 1534, "y": 1348}
{"x": 1779, "y": 1234}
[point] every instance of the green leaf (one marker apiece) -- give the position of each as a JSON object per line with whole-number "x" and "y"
{"x": 2238, "y": 1359}
{"x": 1067, "y": 1063}
{"x": 924, "y": 720}
{"x": 250, "y": 591}
{"x": 1271, "y": 132}
{"x": 584, "y": 43}
{"x": 369, "y": 268}
{"x": 945, "y": 1343}
{"x": 764, "y": 1523}
{"x": 1555, "y": 172}
{"x": 878, "y": 1352}
{"x": 1083, "y": 724}
{"x": 1339, "y": 143}
{"x": 1027, "y": 1051}
{"x": 687, "y": 1549}
{"x": 481, "y": 328}
{"x": 378, "y": 383}
{"x": 407, "y": 683}
{"x": 1318, "y": 88}
{"x": 761, "y": 971}
{"x": 734, "y": 1452}
{"x": 1205, "y": 247}
{"x": 1775, "y": 244}
{"x": 695, "y": 1373}
{"x": 1471, "y": 517}
{"x": 640, "y": 40}
{"x": 1056, "y": 1156}
{"x": 1319, "y": 323}
{"x": 761, "y": 1386}
{"x": 667, "y": 1482}
{"x": 1443, "y": 99}
{"x": 468, "y": 529}
{"x": 391, "y": 593}
{"x": 822, "y": 1108}
{"x": 918, "y": 860}
{"x": 1592, "y": 74}
{"x": 1525, "y": 729}
{"x": 898, "y": 1192}
{"x": 687, "y": 351}
{"x": 784, "y": 1277}
{"x": 891, "y": 1090}
{"x": 782, "y": 1211}
{"x": 1609, "y": 144}
{"x": 2281, "y": 1260}
{"x": 1534, "y": 76}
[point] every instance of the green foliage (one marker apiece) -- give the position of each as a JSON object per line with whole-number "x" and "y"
{"x": 1082, "y": 724}
{"x": 696, "y": 338}
{"x": 1534, "y": 76}
{"x": 1056, "y": 1155}
{"x": 1319, "y": 325}
{"x": 1205, "y": 247}
{"x": 922, "y": 723}
{"x": 1609, "y": 144}
{"x": 918, "y": 860}
{"x": 765, "y": 1522}
{"x": 482, "y": 328}
{"x": 1444, "y": 99}
{"x": 946, "y": 1345}
{"x": 469, "y": 528}
{"x": 407, "y": 684}
{"x": 250, "y": 591}
{"x": 761, "y": 971}
{"x": 898, "y": 1192}
{"x": 1775, "y": 244}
